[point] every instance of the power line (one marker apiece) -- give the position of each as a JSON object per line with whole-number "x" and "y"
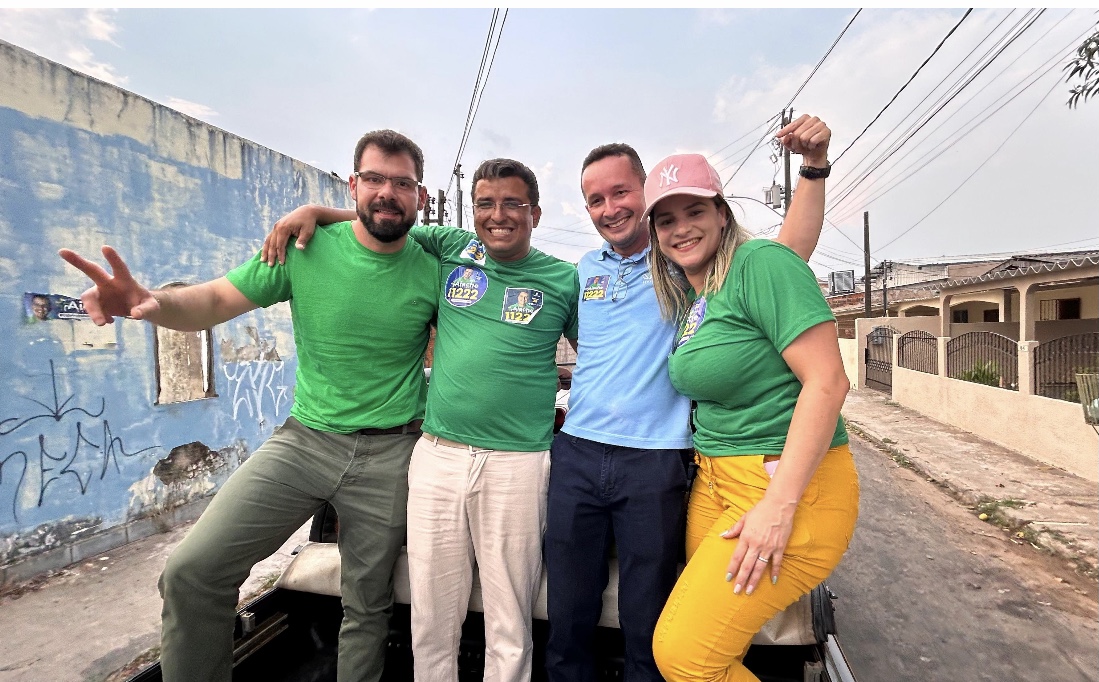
{"x": 750, "y": 131}
{"x": 951, "y": 136}
{"x": 740, "y": 149}
{"x": 910, "y": 79}
{"x": 851, "y": 177}
{"x": 961, "y": 133}
{"x": 754, "y": 148}
{"x": 983, "y": 163}
{"x": 941, "y": 104}
{"x": 813, "y": 72}
{"x": 480, "y": 83}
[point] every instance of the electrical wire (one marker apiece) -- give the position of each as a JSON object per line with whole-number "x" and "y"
{"x": 750, "y": 131}
{"x": 945, "y": 145}
{"x": 770, "y": 128}
{"x": 897, "y": 145}
{"x": 804, "y": 83}
{"x": 910, "y": 79}
{"x": 923, "y": 161}
{"x": 814, "y": 71}
{"x": 479, "y": 85}
{"x": 851, "y": 176}
{"x": 978, "y": 169}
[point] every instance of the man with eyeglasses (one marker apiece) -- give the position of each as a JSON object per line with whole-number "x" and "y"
{"x": 619, "y": 469}
{"x": 357, "y": 413}
{"x": 478, "y": 478}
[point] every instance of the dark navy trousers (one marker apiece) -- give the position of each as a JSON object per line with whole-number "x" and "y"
{"x": 598, "y": 494}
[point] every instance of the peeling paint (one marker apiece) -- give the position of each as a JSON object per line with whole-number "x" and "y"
{"x": 190, "y": 472}
{"x": 188, "y": 462}
{"x": 45, "y": 537}
{"x": 253, "y": 349}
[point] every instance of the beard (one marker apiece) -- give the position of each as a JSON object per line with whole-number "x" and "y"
{"x": 385, "y": 230}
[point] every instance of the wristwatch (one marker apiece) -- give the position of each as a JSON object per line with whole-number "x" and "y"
{"x": 812, "y": 173}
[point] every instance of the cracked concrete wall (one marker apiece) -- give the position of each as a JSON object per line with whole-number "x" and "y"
{"x": 84, "y": 446}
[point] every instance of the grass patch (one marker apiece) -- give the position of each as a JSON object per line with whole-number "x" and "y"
{"x": 142, "y": 660}
{"x": 266, "y": 583}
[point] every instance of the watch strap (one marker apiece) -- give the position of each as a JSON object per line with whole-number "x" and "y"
{"x": 813, "y": 173}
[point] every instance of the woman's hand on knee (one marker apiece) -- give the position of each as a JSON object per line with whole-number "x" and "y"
{"x": 763, "y": 533}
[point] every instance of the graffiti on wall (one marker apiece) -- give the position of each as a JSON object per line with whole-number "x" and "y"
{"x": 257, "y": 389}
{"x": 55, "y": 440}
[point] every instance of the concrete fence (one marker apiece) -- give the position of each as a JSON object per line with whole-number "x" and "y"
{"x": 1044, "y": 429}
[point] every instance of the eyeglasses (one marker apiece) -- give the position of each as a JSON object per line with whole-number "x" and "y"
{"x": 485, "y": 207}
{"x": 376, "y": 181}
{"x": 618, "y": 291}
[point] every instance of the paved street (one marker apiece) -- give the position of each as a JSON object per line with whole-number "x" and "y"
{"x": 94, "y": 617}
{"x": 928, "y": 592}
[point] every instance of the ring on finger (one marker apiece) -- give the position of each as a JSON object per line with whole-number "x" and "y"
{"x": 764, "y": 560}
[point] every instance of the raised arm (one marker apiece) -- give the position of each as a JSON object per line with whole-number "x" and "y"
{"x": 814, "y": 357}
{"x": 808, "y": 136}
{"x": 118, "y": 294}
{"x": 301, "y": 222}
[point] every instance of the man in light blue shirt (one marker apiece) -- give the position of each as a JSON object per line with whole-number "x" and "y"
{"x": 618, "y": 467}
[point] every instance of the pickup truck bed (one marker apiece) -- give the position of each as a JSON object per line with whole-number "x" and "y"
{"x": 290, "y": 633}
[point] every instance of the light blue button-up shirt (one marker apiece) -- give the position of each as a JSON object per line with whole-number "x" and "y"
{"x": 621, "y": 393}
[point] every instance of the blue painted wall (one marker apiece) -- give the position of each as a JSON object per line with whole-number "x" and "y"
{"x": 83, "y": 163}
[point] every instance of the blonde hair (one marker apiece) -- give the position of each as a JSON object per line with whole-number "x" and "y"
{"x": 669, "y": 280}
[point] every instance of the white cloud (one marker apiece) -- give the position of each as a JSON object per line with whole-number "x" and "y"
{"x": 65, "y": 36}
{"x": 720, "y": 17}
{"x": 545, "y": 172}
{"x": 199, "y": 111}
{"x": 570, "y": 209}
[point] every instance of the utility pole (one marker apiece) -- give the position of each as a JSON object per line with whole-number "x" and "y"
{"x": 427, "y": 210}
{"x": 884, "y": 290}
{"x": 789, "y": 192}
{"x": 442, "y": 208}
{"x": 458, "y": 174}
{"x": 866, "y": 260}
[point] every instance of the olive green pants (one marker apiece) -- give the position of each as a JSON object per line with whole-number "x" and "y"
{"x": 269, "y": 497}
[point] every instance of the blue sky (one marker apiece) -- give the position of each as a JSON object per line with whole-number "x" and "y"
{"x": 307, "y": 83}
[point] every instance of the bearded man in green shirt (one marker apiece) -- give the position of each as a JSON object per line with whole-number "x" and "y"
{"x": 357, "y": 413}
{"x": 479, "y": 475}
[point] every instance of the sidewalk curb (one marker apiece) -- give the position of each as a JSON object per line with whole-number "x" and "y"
{"x": 1012, "y": 520}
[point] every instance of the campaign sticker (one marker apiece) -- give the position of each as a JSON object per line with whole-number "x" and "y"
{"x": 474, "y": 251}
{"x": 596, "y": 288}
{"x": 521, "y": 305}
{"x": 46, "y": 307}
{"x": 695, "y": 316}
{"x": 465, "y": 285}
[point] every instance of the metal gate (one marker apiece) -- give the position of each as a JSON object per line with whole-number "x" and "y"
{"x": 879, "y": 358}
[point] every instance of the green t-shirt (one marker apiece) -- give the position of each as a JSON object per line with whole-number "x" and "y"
{"x": 728, "y": 353}
{"x": 494, "y": 377}
{"x": 361, "y": 325}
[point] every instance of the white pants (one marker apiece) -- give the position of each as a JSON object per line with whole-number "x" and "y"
{"x": 468, "y": 505}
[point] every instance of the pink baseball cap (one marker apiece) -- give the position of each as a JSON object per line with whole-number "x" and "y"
{"x": 681, "y": 174}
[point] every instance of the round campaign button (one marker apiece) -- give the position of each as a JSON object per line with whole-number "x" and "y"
{"x": 465, "y": 285}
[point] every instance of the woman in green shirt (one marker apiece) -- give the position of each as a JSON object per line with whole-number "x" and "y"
{"x": 776, "y": 495}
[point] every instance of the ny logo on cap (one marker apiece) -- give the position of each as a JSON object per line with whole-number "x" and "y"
{"x": 668, "y": 175}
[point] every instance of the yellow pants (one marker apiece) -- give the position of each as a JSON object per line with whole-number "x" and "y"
{"x": 705, "y": 629}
